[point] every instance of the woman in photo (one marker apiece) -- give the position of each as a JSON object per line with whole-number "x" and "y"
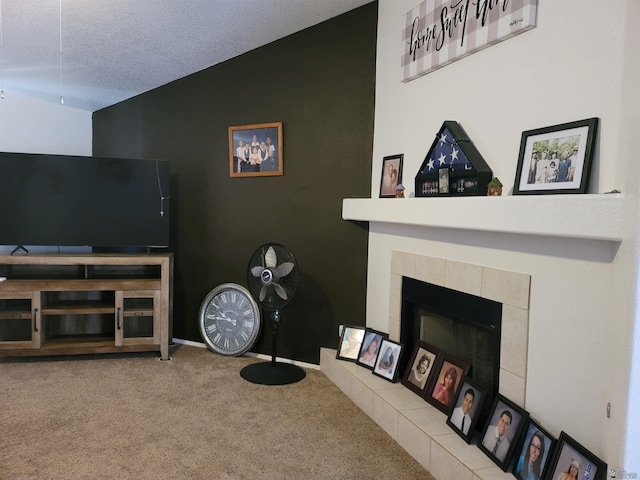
{"x": 420, "y": 371}
{"x": 370, "y": 351}
{"x": 572, "y": 473}
{"x": 351, "y": 343}
{"x": 530, "y": 464}
{"x": 387, "y": 360}
{"x": 445, "y": 390}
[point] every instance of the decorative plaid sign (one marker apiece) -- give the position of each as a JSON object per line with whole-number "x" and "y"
{"x": 438, "y": 32}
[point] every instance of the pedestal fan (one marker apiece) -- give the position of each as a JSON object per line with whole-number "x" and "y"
{"x": 272, "y": 279}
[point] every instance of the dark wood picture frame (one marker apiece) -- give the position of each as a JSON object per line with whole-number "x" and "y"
{"x": 535, "y": 441}
{"x": 388, "y": 360}
{"x": 366, "y": 357}
{"x": 467, "y": 407}
{"x": 556, "y": 159}
{"x": 503, "y": 409}
{"x": 391, "y": 166}
{"x": 350, "y": 343}
{"x": 569, "y": 450}
{"x": 423, "y": 354}
{"x": 259, "y": 162}
{"x": 438, "y": 393}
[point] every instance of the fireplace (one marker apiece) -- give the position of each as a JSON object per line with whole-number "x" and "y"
{"x": 465, "y": 326}
{"x": 510, "y": 290}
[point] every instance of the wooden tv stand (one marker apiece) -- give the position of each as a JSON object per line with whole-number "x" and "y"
{"x": 60, "y": 304}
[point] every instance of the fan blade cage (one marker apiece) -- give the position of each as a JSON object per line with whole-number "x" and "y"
{"x": 273, "y": 276}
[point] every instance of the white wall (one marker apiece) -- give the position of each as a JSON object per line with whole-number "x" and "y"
{"x": 34, "y": 126}
{"x": 577, "y": 63}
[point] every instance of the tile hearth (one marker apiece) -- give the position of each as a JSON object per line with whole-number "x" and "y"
{"x": 417, "y": 426}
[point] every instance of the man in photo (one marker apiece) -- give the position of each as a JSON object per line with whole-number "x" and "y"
{"x": 460, "y": 417}
{"x": 495, "y": 440}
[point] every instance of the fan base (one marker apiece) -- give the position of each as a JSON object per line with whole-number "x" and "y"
{"x": 268, "y": 373}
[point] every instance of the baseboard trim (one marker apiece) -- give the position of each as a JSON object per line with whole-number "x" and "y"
{"x": 261, "y": 356}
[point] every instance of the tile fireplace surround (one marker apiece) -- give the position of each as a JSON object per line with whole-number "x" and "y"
{"x": 417, "y": 426}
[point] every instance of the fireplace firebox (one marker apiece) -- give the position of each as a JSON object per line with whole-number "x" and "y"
{"x": 463, "y": 325}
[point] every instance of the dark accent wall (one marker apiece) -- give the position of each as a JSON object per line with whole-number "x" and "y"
{"x": 320, "y": 83}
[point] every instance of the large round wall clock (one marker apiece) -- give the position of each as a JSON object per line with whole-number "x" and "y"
{"x": 229, "y": 319}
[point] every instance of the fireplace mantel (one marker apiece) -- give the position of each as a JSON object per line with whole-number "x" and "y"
{"x": 592, "y": 216}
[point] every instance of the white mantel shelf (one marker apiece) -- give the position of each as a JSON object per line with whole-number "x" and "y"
{"x": 592, "y": 216}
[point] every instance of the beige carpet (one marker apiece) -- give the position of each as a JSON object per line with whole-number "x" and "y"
{"x": 134, "y": 417}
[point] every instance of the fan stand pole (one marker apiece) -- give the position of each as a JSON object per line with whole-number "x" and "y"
{"x": 273, "y": 373}
{"x": 275, "y": 316}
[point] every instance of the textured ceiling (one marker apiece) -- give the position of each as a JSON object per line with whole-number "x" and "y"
{"x": 115, "y": 49}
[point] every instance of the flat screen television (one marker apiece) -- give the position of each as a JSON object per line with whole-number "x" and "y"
{"x": 59, "y": 200}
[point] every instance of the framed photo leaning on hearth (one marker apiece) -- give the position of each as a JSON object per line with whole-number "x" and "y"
{"x": 502, "y": 431}
{"x": 423, "y": 358}
{"x": 556, "y": 159}
{"x": 444, "y": 382}
{"x": 388, "y": 359}
{"x": 571, "y": 460}
{"x": 255, "y": 150}
{"x": 466, "y": 408}
{"x": 350, "y": 343}
{"x": 370, "y": 348}
{"x": 391, "y": 175}
{"x": 533, "y": 452}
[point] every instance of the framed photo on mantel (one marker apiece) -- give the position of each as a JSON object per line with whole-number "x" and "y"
{"x": 556, "y": 159}
{"x": 391, "y": 175}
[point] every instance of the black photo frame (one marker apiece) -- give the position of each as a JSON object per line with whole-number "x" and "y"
{"x": 350, "y": 343}
{"x": 571, "y": 454}
{"x": 440, "y": 393}
{"x": 391, "y": 175}
{"x": 388, "y": 360}
{"x": 556, "y": 159}
{"x": 535, "y": 442}
{"x": 368, "y": 352}
{"x": 466, "y": 409}
{"x": 503, "y": 411}
{"x": 421, "y": 364}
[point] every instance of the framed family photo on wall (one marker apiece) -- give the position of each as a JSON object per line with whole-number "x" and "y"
{"x": 556, "y": 159}
{"x": 255, "y": 150}
{"x": 391, "y": 175}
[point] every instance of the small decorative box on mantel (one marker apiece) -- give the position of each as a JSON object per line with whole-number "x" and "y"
{"x": 453, "y": 166}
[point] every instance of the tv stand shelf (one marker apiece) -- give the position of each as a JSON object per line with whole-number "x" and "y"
{"x": 85, "y": 303}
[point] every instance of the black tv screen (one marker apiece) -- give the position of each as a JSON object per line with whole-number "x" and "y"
{"x": 58, "y": 200}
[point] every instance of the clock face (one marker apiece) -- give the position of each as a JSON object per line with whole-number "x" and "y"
{"x": 229, "y": 319}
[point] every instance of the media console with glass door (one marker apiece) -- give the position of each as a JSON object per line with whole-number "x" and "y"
{"x": 64, "y": 304}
